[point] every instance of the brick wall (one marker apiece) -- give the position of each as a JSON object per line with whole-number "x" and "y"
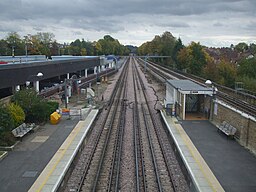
{"x": 246, "y": 128}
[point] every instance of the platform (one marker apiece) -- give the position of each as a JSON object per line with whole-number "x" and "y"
{"x": 201, "y": 175}
{"x": 54, "y": 172}
{"x": 233, "y": 165}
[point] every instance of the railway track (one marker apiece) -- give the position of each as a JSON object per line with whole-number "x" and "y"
{"x": 87, "y": 168}
{"x": 161, "y": 158}
{"x": 235, "y": 102}
{"x": 129, "y": 149}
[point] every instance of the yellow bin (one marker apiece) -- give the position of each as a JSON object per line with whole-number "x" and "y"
{"x": 55, "y": 118}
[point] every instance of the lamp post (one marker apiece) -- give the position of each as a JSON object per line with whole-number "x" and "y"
{"x": 214, "y": 90}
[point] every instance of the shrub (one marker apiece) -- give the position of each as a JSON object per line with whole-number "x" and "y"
{"x": 6, "y": 125}
{"x": 53, "y": 105}
{"x": 7, "y": 139}
{"x": 6, "y": 119}
{"x": 17, "y": 113}
{"x": 26, "y": 99}
{"x": 37, "y": 110}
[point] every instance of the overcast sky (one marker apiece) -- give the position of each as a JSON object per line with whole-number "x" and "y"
{"x": 211, "y": 22}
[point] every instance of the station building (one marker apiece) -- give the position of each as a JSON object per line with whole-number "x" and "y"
{"x": 188, "y": 100}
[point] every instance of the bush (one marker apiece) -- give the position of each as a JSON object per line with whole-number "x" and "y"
{"x": 6, "y": 125}
{"x": 53, "y": 105}
{"x": 17, "y": 114}
{"x": 7, "y": 139}
{"x": 37, "y": 110}
{"x": 6, "y": 120}
{"x": 26, "y": 99}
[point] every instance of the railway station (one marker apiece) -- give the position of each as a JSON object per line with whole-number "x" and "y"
{"x": 186, "y": 129}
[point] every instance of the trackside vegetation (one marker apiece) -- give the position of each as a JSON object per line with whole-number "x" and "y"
{"x": 225, "y": 66}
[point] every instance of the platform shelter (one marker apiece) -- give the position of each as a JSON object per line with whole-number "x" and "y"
{"x": 188, "y": 100}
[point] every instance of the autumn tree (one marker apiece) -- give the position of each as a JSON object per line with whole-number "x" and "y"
{"x": 177, "y": 47}
{"x": 227, "y": 73}
{"x": 160, "y": 46}
{"x": 108, "y": 45}
{"x": 192, "y": 58}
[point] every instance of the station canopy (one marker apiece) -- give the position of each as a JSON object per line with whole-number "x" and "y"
{"x": 189, "y": 87}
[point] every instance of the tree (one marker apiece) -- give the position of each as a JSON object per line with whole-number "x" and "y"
{"x": 108, "y": 46}
{"x": 227, "y": 73}
{"x": 4, "y": 49}
{"x": 177, "y": 47}
{"x": 183, "y": 59}
{"x": 6, "y": 119}
{"x": 160, "y": 46}
{"x": 6, "y": 125}
{"x": 15, "y": 44}
{"x": 193, "y": 58}
{"x": 241, "y": 47}
{"x": 247, "y": 68}
{"x": 83, "y": 52}
{"x": 210, "y": 71}
{"x": 252, "y": 48}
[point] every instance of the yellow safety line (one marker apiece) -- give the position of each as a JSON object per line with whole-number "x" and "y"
{"x": 197, "y": 161}
{"x": 55, "y": 165}
{"x": 191, "y": 151}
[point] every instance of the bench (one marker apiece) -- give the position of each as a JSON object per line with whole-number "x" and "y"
{"x": 227, "y": 129}
{"x": 22, "y": 130}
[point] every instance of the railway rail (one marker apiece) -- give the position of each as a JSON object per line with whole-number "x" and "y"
{"x": 130, "y": 150}
{"x": 235, "y": 102}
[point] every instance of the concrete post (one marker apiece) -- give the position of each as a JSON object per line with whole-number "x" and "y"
{"x": 36, "y": 85}
{"x": 67, "y": 75}
{"x": 95, "y": 70}
{"x": 85, "y": 73}
{"x": 184, "y": 108}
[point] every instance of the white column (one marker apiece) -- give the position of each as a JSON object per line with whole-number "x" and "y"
{"x": 17, "y": 88}
{"x": 95, "y": 70}
{"x": 99, "y": 69}
{"x": 85, "y": 73}
{"x": 184, "y": 108}
{"x": 37, "y": 86}
{"x": 67, "y": 75}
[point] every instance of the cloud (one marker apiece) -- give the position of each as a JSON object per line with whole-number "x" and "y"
{"x": 131, "y": 20}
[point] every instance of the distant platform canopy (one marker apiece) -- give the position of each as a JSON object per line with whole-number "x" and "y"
{"x": 189, "y": 87}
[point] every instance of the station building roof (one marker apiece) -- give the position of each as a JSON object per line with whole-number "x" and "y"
{"x": 189, "y": 87}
